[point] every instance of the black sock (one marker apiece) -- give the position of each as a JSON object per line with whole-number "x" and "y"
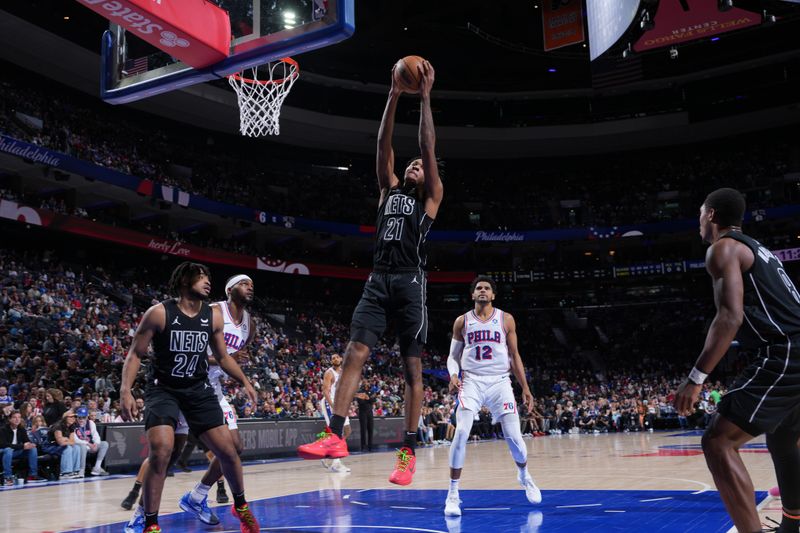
{"x": 221, "y": 484}
{"x": 789, "y": 525}
{"x": 150, "y": 519}
{"x": 136, "y": 487}
{"x": 411, "y": 440}
{"x": 239, "y": 501}
{"x": 337, "y": 425}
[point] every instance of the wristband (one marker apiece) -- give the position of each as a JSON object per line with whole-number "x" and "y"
{"x": 697, "y": 377}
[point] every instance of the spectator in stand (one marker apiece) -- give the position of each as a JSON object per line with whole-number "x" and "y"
{"x": 54, "y": 407}
{"x": 26, "y": 411}
{"x": 61, "y": 441}
{"x": 366, "y": 420}
{"x": 87, "y": 436}
{"x": 5, "y": 399}
{"x": 14, "y": 444}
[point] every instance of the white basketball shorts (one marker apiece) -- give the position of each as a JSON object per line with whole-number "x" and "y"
{"x": 494, "y": 392}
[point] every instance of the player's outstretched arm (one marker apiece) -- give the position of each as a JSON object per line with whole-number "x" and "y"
{"x": 434, "y": 190}
{"x": 226, "y": 362}
{"x": 456, "y": 350}
{"x": 152, "y": 321}
{"x": 724, "y": 263}
{"x": 384, "y": 164}
{"x": 516, "y": 359}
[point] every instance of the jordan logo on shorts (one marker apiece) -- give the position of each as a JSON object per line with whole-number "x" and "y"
{"x": 415, "y": 280}
{"x": 175, "y": 322}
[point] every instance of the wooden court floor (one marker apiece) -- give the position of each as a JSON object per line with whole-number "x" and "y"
{"x": 583, "y": 473}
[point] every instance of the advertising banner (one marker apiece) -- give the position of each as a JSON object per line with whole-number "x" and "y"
{"x": 562, "y": 23}
{"x": 262, "y": 439}
{"x": 195, "y": 31}
{"x": 66, "y": 163}
{"x": 678, "y": 22}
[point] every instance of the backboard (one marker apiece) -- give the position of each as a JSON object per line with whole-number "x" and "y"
{"x": 262, "y": 31}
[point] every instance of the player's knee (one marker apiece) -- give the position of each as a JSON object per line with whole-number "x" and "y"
{"x": 160, "y": 457}
{"x": 713, "y": 444}
{"x": 238, "y": 447}
{"x": 461, "y": 435}
{"x": 412, "y": 371}
{"x": 356, "y": 352}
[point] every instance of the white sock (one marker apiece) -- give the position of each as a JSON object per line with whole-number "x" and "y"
{"x": 200, "y": 492}
{"x": 336, "y": 463}
{"x": 523, "y": 471}
{"x": 454, "y": 486}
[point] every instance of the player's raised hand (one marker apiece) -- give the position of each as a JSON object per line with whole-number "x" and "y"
{"x": 455, "y": 383}
{"x": 426, "y": 78}
{"x": 395, "y": 88}
{"x": 128, "y": 405}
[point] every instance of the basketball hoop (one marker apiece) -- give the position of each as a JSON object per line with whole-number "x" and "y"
{"x": 260, "y": 100}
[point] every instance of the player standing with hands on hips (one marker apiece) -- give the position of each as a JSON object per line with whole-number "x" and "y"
{"x": 396, "y": 289}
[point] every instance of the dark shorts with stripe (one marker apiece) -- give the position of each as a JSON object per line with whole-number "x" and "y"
{"x": 398, "y": 297}
{"x": 767, "y": 394}
{"x": 197, "y": 401}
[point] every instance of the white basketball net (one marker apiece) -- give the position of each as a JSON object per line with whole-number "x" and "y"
{"x": 260, "y": 100}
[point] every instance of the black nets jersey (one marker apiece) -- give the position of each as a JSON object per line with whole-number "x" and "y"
{"x": 180, "y": 350}
{"x": 771, "y": 301}
{"x": 402, "y": 227}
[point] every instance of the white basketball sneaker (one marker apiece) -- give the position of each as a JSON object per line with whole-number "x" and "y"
{"x": 452, "y": 505}
{"x": 532, "y": 492}
{"x": 338, "y": 466}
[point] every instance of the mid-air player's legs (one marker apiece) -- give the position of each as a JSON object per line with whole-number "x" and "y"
{"x": 334, "y": 465}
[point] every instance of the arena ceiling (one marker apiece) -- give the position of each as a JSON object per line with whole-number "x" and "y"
{"x": 475, "y": 45}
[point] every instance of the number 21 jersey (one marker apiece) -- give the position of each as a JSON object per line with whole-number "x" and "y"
{"x": 402, "y": 226}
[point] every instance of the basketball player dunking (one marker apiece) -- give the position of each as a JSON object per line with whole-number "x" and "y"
{"x": 181, "y": 331}
{"x": 329, "y": 381}
{"x": 396, "y": 287}
{"x": 238, "y": 331}
{"x": 758, "y": 304}
{"x": 484, "y": 349}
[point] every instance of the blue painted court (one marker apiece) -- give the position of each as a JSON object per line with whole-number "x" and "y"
{"x": 498, "y": 511}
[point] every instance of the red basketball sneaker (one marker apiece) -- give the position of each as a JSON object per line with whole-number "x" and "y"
{"x": 404, "y": 468}
{"x": 247, "y": 522}
{"x": 326, "y": 445}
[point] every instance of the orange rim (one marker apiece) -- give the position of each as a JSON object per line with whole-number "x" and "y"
{"x": 289, "y": 60}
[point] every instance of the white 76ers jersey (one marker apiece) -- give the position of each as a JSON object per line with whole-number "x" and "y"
{"x": 485, "y": 349}
{"x": 235, "y": 339}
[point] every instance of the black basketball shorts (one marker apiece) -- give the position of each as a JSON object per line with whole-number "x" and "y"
{"x": 767, "y": 394}
{"x": 399, "y": 297}
{"x": 197, "y": 402}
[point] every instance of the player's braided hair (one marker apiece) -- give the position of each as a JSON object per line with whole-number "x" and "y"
{"x": 184, "y": 274}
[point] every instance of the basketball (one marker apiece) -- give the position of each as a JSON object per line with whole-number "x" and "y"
{"x": 406, "y": 73}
